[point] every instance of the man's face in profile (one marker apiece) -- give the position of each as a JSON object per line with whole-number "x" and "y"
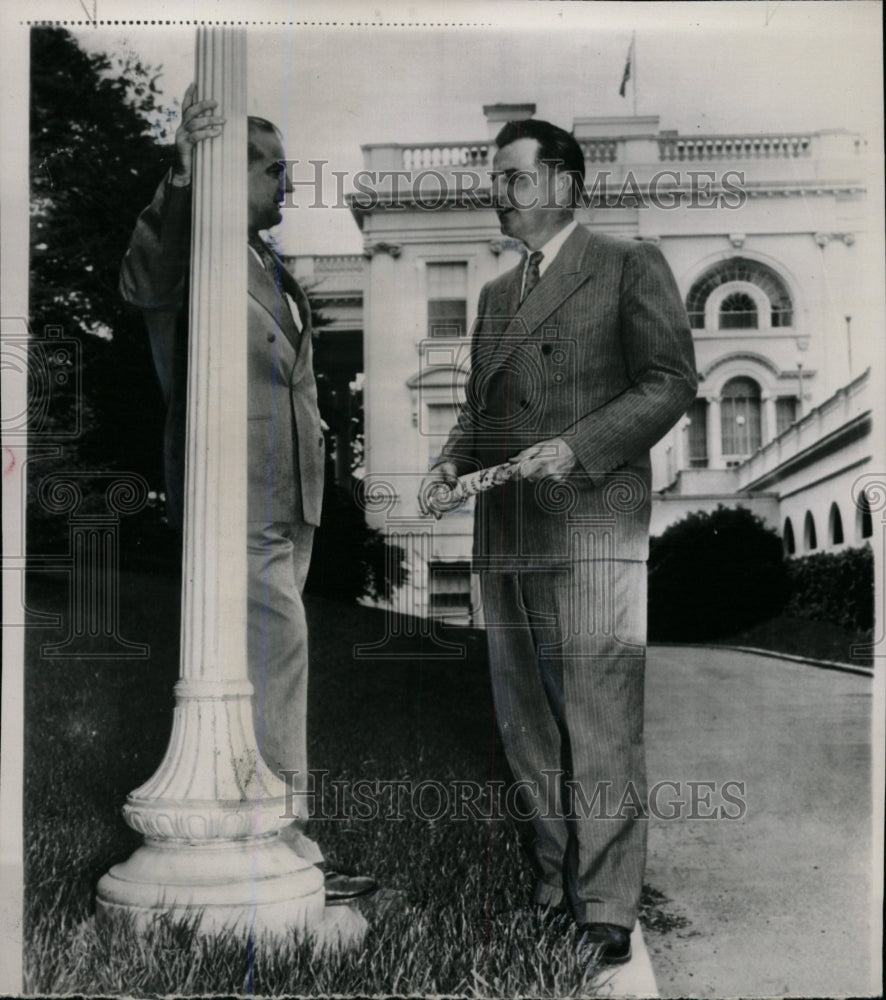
{"x": 523, "y": 190}
{"x": 267, "y": 181}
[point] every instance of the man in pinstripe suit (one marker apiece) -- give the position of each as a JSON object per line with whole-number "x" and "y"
{"x": 582, "y": 359}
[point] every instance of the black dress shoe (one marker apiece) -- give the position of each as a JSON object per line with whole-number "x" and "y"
{"x": 609, "y": 944}
{"x": 342, "y": 888}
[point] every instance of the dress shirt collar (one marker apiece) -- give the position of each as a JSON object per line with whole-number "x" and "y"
{"x": 553, "y": 246}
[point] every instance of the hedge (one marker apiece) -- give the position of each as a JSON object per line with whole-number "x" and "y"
{"x": 835, "y": 587}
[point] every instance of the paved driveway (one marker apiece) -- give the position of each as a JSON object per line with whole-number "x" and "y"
{"x": 780, "y": 900}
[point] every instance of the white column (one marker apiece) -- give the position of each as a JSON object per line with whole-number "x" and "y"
{"x": 715, "y": 441}
{"x": 769, "y": 419}
{"x": 212, "y": 811}
{"x": 681, "y": 445}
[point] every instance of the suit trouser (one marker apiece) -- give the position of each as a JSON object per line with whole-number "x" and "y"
{"x": 567, "y": 659}
{"x": 279, "y": 555}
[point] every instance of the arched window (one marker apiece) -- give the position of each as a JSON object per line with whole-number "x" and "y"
{"x": 740, "y": 417}
{"x": 810, "y": 542}
{"x": 835, "y": 526}
{"x": 744, "y": 271}
{"x": 865, "y": 521}
{"x": 738, "y": 312}
{"x": 787, "y": 535}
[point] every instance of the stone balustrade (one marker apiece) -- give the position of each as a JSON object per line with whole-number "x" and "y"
{"x": 830, "y": 418}
{"x": 440, "y": 154}
{"x": 666, "y": 148}
{"x": 338, "y": 263}
{"x": 600, "y": 150}
{"x": 683, "y": 149}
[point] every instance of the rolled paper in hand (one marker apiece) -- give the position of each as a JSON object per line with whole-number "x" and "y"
{"x": 484, "y": 479}
{"x": 445, "y": 498}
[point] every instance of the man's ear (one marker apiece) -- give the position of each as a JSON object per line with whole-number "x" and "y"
{"x": 563, "y": 188}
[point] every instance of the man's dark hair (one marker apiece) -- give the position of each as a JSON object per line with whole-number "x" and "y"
{"x": 255, "y": 124}
{"x": 556, "y": 147}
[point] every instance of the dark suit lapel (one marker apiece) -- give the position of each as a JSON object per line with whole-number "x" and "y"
{"x": 572, "y": 266}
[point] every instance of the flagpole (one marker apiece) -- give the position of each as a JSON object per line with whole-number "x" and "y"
{"x": 634, "y": 68}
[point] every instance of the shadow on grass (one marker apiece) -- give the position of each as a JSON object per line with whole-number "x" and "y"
{"x": 96, "y": 729}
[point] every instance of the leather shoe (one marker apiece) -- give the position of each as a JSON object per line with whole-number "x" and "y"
{"x": 341, "y": 888}
{"x": 608, "y": 944}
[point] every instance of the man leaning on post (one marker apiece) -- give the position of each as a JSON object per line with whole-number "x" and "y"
{"x": 581, "y": 359}
{"x": 285, "y": 452}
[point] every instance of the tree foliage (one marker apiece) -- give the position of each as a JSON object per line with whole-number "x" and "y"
{"x": 95, "y": 161}
{"x": 712, "y": 574}
{"x": 836, "y": 587}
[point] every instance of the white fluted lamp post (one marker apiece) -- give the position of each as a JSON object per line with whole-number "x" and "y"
{"x": 212, "y": 812}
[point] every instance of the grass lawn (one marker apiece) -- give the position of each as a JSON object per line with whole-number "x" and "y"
{"x": 96, "y": 729}
{"x": 802, "y": 637}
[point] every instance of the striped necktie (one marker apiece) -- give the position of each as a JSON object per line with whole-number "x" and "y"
{"x": 532, "y": 273}
{"x": 267, "y": 258}
{"x": 274, "y": 267}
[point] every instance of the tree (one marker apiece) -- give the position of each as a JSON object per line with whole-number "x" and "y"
{"x": 712, "y": 574}
{"x": 95, "y": 161}
{"x": 97, "y": 155}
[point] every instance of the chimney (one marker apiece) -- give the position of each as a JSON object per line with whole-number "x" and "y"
{"x": 498, "y": 114}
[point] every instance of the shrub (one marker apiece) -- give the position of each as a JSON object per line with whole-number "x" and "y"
{"x": 351, "y": 560}
{"x": 836, "y": 587}
{"x": 712, "y": 574}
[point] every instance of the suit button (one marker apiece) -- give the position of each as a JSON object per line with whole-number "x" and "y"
{"x": 558, "y": 377}
{"x": 272, "y": 337}
{"x": 546, "y": 348}
{"x": 559, "y": 357}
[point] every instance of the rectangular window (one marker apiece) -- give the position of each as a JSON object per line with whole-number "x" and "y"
{"x": 698, "y": 434}
{"x": 439, "y": 419}
{"x": 785, "y": 413}
{"x": 449, "y": 586}
{"x": 447, "y": 299}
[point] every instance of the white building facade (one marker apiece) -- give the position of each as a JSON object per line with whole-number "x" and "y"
{"x": 768, "y": 240}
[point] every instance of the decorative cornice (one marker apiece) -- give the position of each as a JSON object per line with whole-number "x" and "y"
{"x": 639, "y": 194}
{"x": 758, "y": 359}
{"x": 394, "y": 249}
{"x": 427, "y": 376}
{"x": 822, "y": 239}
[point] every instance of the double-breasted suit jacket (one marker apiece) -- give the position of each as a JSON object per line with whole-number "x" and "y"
{"x": 600, "y": 355}
{"x": 285, "y": 445}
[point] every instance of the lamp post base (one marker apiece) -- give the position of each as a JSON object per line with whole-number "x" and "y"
{"x": 256, "y": 885}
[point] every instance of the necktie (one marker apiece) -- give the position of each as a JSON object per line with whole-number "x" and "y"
{"x": 267, "y": 258}
{"x": 273, "y": 267}
{"x": 532, "y": 272}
